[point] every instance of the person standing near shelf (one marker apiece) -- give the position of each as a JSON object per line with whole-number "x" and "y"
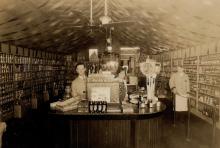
{"x": 78, "y": 87}
{"x": 180, "y": 87}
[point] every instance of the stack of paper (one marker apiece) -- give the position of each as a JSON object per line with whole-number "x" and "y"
{"x": 65, "y": 105}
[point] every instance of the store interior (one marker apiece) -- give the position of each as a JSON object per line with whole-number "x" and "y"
{"x": 42, "y": 41}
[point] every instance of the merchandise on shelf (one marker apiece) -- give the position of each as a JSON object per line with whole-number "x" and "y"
{"x": 204, "y": 76}
{"x": 21, "y": 75}
{"x": 6, "y": 85}
{"x": 209, "y": 85}
{"x": 190, "y": 66}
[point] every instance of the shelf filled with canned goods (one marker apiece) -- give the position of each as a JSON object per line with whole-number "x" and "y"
{"x": 209, "y": 84}
{"x": 6, "y": 85}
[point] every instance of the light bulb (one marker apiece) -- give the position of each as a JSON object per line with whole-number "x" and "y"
{"x": 109, "y": 48}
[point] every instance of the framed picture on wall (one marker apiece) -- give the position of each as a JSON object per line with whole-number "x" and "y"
{"x": 93, "y": 55}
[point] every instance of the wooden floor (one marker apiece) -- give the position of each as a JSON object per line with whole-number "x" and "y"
{"x": 32, "y": 132}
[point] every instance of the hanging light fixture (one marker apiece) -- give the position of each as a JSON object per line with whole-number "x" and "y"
{"x": 105, "y": 19}
{"x": 110, "y": 58}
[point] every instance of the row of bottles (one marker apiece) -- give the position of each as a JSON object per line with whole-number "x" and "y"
{"x": 5, "y": 88}
{"x": 193, "y": 102}
{"x": 190, "y": 61}
{"x": 209, "y": 69}
{"x": 48, "y": 74}
{"x": 38, "y": 61}
{"x": 6, "y": 98}
{"x": 48, "y": 67}
{"x": 22, "y": 68}
{"x": 42, "y": 61}
{"x": 97, "y": 106}
{"x": 6, "y": 58}
{"x": 7, "y": 110}
{"x": 93, "y": 68}
{"x": 19, "y": 75}
{"x": 209, "y": 89}
{"x": 190, "y": 68}
{"x": 6, "y": 68}
{"x": 6, "y": 77}
{"x": 208, "y": 85}
{"x": 208, "y": 100}
{"x": 49, "y": 79}
{"x": 166, "y": 69}
{"x": 207, "y": 111}
{"x": 38, "y": 88}
{"x": 22, "y": 84}
{"x": 211, "y": 80}
{"x": 22, "y": 76}
{"x": 37, "y": 67}
{"x": 210, "y": 60}
{"x": 6, "y": 85}
{"x": 22, "y": 60}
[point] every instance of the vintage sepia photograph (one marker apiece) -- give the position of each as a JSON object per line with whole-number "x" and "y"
{"x": 109, "y": 73}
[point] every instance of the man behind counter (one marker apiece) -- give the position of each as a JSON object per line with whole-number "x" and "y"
{"x": 78, "y": 87}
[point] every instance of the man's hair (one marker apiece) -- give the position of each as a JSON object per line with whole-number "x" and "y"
{"x": 78, "y": 64}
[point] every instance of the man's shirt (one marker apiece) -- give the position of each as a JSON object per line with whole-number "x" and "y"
{"x": 180, "y": 81}
{"x": 78, "y": 87}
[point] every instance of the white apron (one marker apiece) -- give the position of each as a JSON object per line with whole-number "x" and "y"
{"x": 181, "y": 103}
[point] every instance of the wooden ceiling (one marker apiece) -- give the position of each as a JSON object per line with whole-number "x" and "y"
{"x": 161, "y": 25}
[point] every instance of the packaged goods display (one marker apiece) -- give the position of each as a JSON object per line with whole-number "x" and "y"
{"x": 209, "y": 85}
{"x": 6, "y": 85}
{"x": 190, "y": 66}
{"x": 204, "y": 76}
{"x": 21, "y": 75}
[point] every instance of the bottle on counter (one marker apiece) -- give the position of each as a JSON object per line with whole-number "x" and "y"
{"x": 99, "y": 107}
{"x": 46, "y": 94}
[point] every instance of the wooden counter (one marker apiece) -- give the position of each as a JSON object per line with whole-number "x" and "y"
{"x": 139, "y": 129}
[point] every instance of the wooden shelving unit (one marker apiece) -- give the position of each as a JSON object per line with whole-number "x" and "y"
{"x": 24, "y": 72}
{"x": 22, "y": 83}
{"x": 204, "y": 74}
{"x": 190, "y": 66}
{"x": 6, "y": 86}
{"x": 208, "y": 82}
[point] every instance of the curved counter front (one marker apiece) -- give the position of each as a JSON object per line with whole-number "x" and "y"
{"x": 139, "y": 129}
